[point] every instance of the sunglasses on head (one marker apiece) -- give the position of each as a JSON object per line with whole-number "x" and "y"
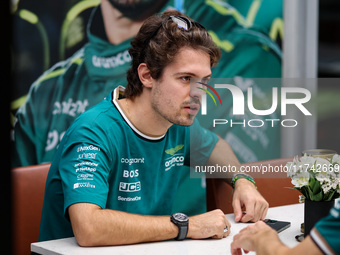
{"x": 182, "y": 22}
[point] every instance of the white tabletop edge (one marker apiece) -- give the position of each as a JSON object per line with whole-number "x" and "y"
{"x": 69, "y": 246}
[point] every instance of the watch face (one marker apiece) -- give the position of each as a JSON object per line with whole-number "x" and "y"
{"x": 181, "y": 217}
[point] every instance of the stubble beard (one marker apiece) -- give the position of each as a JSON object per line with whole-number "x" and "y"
{"x": 175, "y": 117}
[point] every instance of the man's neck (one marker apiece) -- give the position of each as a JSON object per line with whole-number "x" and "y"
{"x": 118, "y": 28}
{"x": 143, "y": 117}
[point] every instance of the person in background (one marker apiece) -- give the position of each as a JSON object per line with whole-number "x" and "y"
{"x": 112, "y": 181}
{"x": 323, "y": 238}
{"x": 267, "y": 14}
{"x": 72, "y": 86}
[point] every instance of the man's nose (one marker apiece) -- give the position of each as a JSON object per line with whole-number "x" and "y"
{"x": 196, "y": 89}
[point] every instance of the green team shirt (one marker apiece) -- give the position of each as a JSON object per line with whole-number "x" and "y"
{"x": 103, "y": 159}
{"x": 325, "y": 234}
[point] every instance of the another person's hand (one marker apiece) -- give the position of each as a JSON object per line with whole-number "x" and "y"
{"x": 247, "y": 198}
{"x": 210, "y": 224}
{"x": 257, "y": 237}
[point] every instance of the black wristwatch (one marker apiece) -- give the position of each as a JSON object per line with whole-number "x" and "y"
{"x": 181, "y": 220}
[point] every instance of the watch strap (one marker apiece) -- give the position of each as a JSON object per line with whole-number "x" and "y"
{"x": 182, "y": 232}
{"x": 182, "y": 228}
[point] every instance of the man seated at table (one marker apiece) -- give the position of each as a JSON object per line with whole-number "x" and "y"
{"x": 116, "y": 172}
{"x": 323, "y": 238}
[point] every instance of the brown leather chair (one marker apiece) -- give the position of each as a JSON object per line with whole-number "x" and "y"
{"x": 273, "y": 189}
{"x": 28, "y": 187}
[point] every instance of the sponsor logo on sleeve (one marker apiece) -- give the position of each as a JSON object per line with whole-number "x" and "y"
{"x": 83, "y": 185}
{"x": 85, "y": 177}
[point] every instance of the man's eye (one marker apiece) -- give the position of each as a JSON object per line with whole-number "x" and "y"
{"x": 185, "y": 78}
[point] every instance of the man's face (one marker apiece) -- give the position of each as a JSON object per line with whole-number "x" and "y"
{"x": 174, "y": 98}
{"x": 138, "y": 9}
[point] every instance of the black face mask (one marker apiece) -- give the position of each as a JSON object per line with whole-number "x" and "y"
{"x": 140, "y": 10}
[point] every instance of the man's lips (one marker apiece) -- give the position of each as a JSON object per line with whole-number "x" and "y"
{"x": 192, "y": 108}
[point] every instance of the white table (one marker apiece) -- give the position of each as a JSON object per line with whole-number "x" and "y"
{"x": 293, "y": 213}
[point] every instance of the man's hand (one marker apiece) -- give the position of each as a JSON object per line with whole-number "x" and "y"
{"x": 245, "y": 194}
{"x": 248, "y": 198}
{"x": 254, "y": 238}
{"x": 210, "y": 224}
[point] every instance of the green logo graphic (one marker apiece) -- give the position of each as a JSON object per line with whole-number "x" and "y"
{"x": 172, "y": 151}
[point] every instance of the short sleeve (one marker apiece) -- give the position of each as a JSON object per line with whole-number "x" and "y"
{"x": 202, "y": 142}
{"x": 85, "y": 168}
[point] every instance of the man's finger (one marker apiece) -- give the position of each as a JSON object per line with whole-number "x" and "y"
{"x": 258, "y": 212}
{"x": 227, "y": 230}
{"x": 237, "y": 210}
{"x": 264, "y": 214}
{"x": 250, "y": 213}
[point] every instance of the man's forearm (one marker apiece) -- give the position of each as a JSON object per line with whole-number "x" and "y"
{"x": 222, "y": 155}
{"x": 93, "y": 226}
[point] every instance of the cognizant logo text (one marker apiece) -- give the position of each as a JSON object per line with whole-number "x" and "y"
{"x": 131, "y": 161}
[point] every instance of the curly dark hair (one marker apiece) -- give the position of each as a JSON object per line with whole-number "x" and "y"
{"x": 159, "y": 50}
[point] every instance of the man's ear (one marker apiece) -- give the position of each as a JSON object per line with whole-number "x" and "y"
{"x": 145, "y": 75}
